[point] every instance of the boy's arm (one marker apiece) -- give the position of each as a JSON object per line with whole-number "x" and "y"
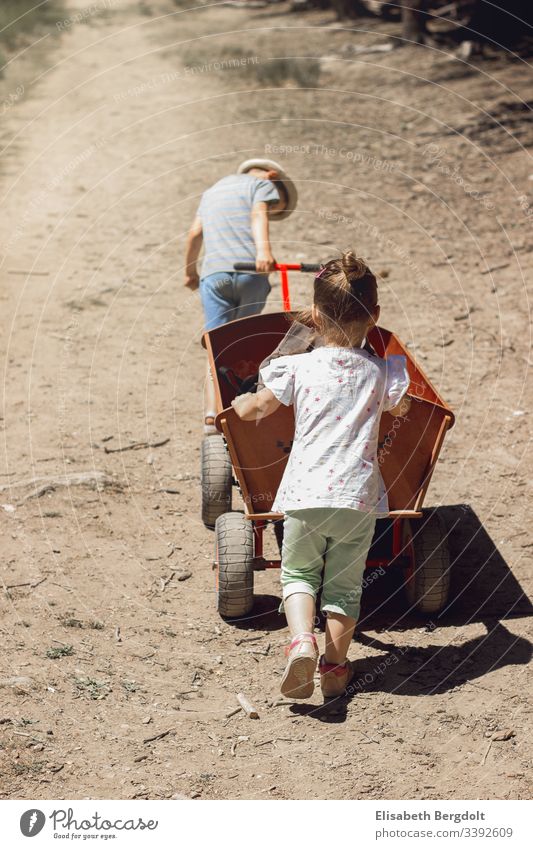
{"x": 402, "y": 408}
{"x": 264, "y": 261}
{"x": 192, "y": 252}
{"x": 255, "y": 407}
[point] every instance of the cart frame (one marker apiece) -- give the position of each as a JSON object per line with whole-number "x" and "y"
{"x": 405, "y": 522}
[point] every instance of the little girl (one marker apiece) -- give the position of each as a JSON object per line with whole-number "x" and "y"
{"x": 332, "y": 490}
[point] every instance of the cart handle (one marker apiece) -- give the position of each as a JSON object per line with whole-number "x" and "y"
{"x": 307, "y": 267}
{"x": 283, "y": 268}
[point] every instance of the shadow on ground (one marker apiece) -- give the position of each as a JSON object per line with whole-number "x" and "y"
{"x": 483, "y": 586}
{"x": 483, "y": 590}
{"x": 263, "y": 617}
{"x": 434, "y": 669}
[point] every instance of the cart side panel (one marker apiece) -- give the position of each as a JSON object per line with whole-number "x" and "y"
{"x": 259, "y": 453}
{"x": 386, "y": 343}
{"x": 407, "y": 452}
{"x": 242, "y": 345}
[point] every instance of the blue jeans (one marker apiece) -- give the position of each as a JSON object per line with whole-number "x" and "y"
{"x": 227, "y": 295}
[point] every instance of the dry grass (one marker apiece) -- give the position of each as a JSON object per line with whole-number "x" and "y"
{"x": 233, "y": 63}
{"x": 22, "y": 17}
{"x": 19, "y": 16}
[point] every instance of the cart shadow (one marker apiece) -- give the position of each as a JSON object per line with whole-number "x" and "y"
{"x": 436, "y": 669}
{"x": 265, "y": 616}
{"x": 482, "y": 584}
{"x": 483, "y": 589}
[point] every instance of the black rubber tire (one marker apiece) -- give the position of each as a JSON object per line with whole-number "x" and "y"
{"x": 234, "y": 553}
{"x": 428, "y": 587}
{"x": 215, "y": 479}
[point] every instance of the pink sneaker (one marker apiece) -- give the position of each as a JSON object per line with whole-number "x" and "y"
{"x": 334, "y": 678}
{"x": 297, "y": 681}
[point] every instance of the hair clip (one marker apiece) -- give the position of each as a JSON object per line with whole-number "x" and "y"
{"x": 321, "y": 272}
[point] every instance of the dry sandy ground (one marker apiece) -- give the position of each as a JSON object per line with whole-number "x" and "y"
{"x": 103, "y": 162}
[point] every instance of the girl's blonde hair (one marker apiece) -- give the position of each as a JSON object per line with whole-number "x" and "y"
{"x": 346, "y": 296}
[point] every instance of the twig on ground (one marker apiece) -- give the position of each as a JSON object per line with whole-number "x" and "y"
{"x": 31, "y": 736}
{"x": 233, "y": 712}
{"x": 31, "y": 584}
{"x": 369, "y": 738}
{"x": 240, "y": 739}
{"x": 247, "y": 640}
{"x": 230, "y": 715}
{"x": 136, "y": 446}
{"x": 158, "y": 736}
{"x": 32, "y": 273}
{"x": 487, "y": 750}
{"x": 385, "y": 47}
{"x": 94, "y": 479}
{"x": 247, "y": 706}
{"x": 264, "y": 651}
{"x": 166, "y": 581}
{"x": 495, "y": 267}
{"x": 464, "y": 315}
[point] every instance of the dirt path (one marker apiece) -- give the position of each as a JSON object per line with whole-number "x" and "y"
{"x": 102, "y": 166}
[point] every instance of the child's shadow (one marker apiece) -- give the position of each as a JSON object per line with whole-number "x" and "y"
{"x": 412, "y": 671}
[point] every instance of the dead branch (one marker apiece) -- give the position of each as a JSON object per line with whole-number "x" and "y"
{"x": 247, "y": 706}
{"x": 166, "y": 581}
{"x": 95, "y": 480}
{"x": 69, "y": 479}
{"x": 158, "y": 736}
{"x": 136, "y": 446}
{"x": 31, "y": 584}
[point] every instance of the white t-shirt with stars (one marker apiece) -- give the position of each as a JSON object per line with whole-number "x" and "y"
{"x": 338, "y": 395}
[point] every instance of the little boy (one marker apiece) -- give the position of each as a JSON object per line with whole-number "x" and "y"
{"x": 233, "y": 224}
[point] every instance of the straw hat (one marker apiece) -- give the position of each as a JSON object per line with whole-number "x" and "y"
{"x": 290, "y": 188}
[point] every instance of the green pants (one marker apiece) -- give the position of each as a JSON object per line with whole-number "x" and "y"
{"x": 335, "y": 540}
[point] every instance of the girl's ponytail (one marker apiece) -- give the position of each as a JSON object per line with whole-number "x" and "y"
{"x": 353, "y": 267}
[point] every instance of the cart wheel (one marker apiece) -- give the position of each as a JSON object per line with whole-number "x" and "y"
{"x": 215, "y": 478}
{"x": 427, "y": 578}
{"x": 234, "y": 561}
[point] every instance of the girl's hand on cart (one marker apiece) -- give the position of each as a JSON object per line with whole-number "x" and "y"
{"x": 242, "y": 404}
{"x": 265, "y": 262}
{"x": 192, "y": 281}
{"x": 253, "y": 407}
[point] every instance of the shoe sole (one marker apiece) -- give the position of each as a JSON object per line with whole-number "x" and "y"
{"x": 298, "y": 680}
